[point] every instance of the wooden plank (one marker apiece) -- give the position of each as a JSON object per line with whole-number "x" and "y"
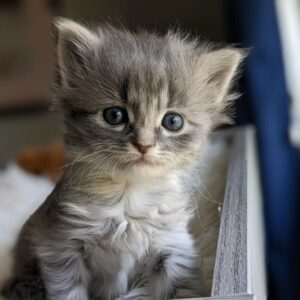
{"x": 226, "y": 297}
{"x": 257, "y": 283}
{"x": 230, "y": 274}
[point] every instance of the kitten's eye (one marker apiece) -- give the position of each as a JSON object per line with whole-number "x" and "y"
{"x": 115, "y": 115}
{"x": 172, "y": 122}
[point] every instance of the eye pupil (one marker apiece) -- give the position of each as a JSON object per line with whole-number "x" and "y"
{"x": 172, "y": 122}
{"x": 175, "y": 120}
{"x": 115, "y": 115}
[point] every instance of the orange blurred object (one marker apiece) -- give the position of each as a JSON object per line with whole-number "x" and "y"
{"x": 47, "y": 160}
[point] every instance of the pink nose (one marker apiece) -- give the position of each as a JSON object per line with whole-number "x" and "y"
{"x": 141, "y": 148}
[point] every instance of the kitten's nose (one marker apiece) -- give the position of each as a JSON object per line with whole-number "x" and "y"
{"x": 142, "y": 148}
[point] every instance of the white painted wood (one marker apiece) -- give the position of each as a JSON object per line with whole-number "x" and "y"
{"x": 255, "y": 226}
{"x": 240, "y": 261}
{"x": 228, "y": 297}
{"x": 230, "y": 274}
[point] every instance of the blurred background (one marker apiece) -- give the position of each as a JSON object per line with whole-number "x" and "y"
{"x": 270, "y": 87}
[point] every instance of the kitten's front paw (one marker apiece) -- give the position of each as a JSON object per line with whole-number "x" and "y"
{"x": 137, "y": 294}
{"x": 24, "y": 288}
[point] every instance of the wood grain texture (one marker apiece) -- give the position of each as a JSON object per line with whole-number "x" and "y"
{"x": 230, "y": 274}
{"x": 227, "y": 297}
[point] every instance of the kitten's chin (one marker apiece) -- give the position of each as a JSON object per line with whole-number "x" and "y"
{"x": 144, "y": 167}
{"x": 150, "y": 167}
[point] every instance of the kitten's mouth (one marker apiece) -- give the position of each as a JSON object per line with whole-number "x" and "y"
{"x": 143, "y": 161}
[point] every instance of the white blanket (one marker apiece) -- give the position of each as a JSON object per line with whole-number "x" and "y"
{"x": 20, "y": 194}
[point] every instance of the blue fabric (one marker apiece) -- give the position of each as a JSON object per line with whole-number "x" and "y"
{"x": 266, "y": 103}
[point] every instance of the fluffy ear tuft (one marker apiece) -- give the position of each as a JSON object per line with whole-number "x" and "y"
{"x": 218, "y": 69}
{"x": 75, "y": 43}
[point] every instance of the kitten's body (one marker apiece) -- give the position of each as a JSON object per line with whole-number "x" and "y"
{"x": 118, "y": 221}
{"x": 119, "y": 240}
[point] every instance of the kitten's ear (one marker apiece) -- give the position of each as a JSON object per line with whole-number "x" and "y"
{"x": 218, "y": 68}
{"x": 74, "y": 44}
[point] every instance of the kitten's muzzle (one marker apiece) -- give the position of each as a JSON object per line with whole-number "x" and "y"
{"x": 142, "y": 148}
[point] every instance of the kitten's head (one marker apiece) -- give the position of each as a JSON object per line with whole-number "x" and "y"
{"x": 139, "y": 103}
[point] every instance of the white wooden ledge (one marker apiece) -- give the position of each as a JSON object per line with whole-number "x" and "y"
{"x": 239, "y": 272}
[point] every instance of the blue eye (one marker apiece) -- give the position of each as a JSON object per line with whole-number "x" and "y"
{"x": 172, "y": 122}
{"x": 115, "y": 115}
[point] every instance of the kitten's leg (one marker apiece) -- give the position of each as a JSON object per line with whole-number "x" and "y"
{"x": 25, "y": 282}
{"x": 141, "y": 293}
{"x": 65, "y": 275}
{"x": 26, "y": 287}
{"x": 174, "y": 273}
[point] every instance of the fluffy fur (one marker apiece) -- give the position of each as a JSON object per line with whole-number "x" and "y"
{"x": 118, "y": 223}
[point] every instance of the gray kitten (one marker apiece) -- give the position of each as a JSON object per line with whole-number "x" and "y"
{"x": 138, "y": 108}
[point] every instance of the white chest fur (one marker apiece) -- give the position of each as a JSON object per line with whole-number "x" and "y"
{"x": 127, "y": 220}
{"x": 149, "y": 209}
{"x": 131, "y": 213}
